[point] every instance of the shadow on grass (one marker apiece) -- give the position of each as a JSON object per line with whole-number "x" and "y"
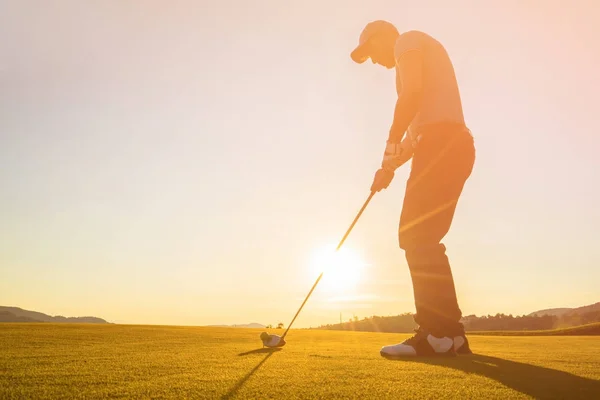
{"x": 269, "y": 352}
{"x": 266, "y": 350}
{"x": 537, "y": 382}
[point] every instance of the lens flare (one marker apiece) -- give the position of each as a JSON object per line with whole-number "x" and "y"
{"x": 342, "y": 269}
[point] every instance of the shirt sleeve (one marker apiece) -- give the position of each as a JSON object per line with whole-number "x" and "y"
{"x": 411, "y": 40}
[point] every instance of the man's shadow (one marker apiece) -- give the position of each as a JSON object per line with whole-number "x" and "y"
{"x": 537, "y": 382}
{"x": 240, "y": 383}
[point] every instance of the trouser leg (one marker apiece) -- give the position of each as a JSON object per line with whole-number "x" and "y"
{"x": 441, "y": 166}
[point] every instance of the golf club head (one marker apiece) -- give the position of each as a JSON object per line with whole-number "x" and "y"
{"x": 272, "y": 340}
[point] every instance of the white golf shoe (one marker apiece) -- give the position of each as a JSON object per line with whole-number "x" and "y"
{"x": 461, "y": 345}
{"x": 422, "y": 344}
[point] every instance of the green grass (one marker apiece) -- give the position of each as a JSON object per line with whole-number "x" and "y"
{"x": 51, "y": 361}
{"x": 592, "y": 329}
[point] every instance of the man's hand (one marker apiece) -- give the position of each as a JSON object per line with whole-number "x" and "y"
{"x": 396, "y": 154}
{"x": 383, "y": 178}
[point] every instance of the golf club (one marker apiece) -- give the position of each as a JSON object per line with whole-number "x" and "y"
{"x": 273, "y": 340}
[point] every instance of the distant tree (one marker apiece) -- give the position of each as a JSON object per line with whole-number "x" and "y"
{"x": 500, "y": 322}
{"x": 269, "y": 326}
{"x": 280, "y": 325}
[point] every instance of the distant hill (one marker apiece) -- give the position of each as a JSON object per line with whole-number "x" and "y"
{"x": 550, "y": 311}
{"x": 559, "y": 312}
{"x": 585, "y": 309}
{"x": 16, "y": 314}
{"x": 251, "y": 325}
{"x": 6, "y": 316}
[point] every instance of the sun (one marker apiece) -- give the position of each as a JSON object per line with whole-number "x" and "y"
{"x": 342, "y": 269}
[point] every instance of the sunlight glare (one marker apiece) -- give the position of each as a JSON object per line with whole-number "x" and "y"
{"x": 342, "y": 269}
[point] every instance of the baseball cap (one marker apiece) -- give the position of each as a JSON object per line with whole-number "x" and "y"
{"x": 361, "y": 53}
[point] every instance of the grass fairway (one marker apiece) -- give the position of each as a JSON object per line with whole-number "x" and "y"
{"x": 47, "y": 361}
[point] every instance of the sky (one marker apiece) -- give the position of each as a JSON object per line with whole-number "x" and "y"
{"x": 186, "y": 163}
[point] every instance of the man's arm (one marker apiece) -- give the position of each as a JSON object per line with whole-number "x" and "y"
{"x": 410, "y": 72}
{"x": 409, "y": 64}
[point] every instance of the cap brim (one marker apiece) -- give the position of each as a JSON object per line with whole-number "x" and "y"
{"x": 359, "y": 55}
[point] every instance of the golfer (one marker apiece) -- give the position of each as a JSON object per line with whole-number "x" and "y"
{"x": 429, "y": 127}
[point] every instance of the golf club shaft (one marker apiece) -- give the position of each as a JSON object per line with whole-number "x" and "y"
{"x": 337, "y": 248}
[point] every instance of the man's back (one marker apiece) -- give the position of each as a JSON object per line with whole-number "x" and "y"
{"x": 440, "y": 101}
